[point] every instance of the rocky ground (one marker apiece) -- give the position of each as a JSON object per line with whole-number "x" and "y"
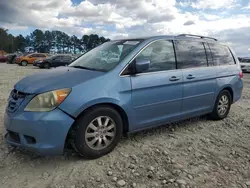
{"x": 192, "y": 153}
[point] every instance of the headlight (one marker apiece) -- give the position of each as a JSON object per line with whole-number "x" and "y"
{"x": 47, "y": 101}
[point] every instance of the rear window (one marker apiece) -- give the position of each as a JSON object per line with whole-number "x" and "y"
{"x": 221, "y": 54}
{"x": 190, "y": 54}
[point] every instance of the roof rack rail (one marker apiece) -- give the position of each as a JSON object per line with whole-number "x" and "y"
{"x": 202, "y": 37}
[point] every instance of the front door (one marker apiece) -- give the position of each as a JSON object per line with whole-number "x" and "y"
{"x": 157, "y": 92}
{"x": 32, "y": 58}
{"x": 57, "y": 61}
{"x": 199, "y": 79}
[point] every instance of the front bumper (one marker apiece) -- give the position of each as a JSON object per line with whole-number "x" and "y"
{"x": 41, "y": 132}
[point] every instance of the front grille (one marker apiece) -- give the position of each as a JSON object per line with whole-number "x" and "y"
{"x": 15, "y": 100}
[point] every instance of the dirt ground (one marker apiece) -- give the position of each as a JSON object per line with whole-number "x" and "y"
{"x": 193, "y": 153}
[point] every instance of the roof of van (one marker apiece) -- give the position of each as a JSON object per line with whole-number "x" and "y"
{"x": 172, "y": 37}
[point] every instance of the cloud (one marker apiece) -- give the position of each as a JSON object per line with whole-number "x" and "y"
{"x": 209, "y": 4}
{"x": 132, "y": 18}
{"x": 236, "y": 38}
{"x": 190, "y": 22}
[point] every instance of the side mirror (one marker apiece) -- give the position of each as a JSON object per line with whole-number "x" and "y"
{"x": 142, "y": 65}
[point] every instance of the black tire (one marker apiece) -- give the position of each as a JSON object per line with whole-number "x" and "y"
{"x": 24, "y": 63}
{"x": 215, "y": 115}
{"x": 46, "y": 65}
{"x": 80, "y": 127}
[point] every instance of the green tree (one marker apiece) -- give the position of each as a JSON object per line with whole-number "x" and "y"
{"x": 37, "y": 38}
{"x": 20, "y": 43}
{"x": 49, "y": 40}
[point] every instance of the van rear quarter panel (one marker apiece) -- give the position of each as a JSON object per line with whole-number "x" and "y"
{"x": 228, "y": 77}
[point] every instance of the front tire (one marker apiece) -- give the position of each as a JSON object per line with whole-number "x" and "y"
{"x": 97, "y": 132}
{"x": 222, "y": 105}
{"x": 24, "y": 63}
{"x": 46, "y": 65}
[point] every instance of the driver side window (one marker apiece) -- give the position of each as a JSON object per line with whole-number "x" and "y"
{"x": 161, "y": 55}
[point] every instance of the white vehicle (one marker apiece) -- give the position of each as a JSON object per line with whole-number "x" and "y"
{"x": 245, "y": 64}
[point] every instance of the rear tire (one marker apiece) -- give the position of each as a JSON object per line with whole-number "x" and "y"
{"x": 24, "y": 63}
{"x": 97, "y": 132}
{"x": 222, "y": 105}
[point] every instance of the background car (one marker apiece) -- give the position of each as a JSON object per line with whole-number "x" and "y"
{"x": 245, "y": 64}
{"x": 18, "y": 55}
{"x": 10, "y": 58}
{"x": 3, "y": 58}
{"x": 54, "y": 61}
{"x": 29, "y": 59}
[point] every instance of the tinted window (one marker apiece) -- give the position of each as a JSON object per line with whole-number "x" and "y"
{"x": 242, "y": 60}
{"x": 40, "y": 55}
{"x": 209, "y": 55}
{"x": 190, "y": 54}
{"x": 57, "y": 58}
{"x": 33, "y": 55}
{"x": 66, "y": 58}
{"x": 221, "y": 54}
{"x": 161, "y": 56}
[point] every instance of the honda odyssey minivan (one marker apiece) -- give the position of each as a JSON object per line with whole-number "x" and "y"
{"x": 122, "y": 86}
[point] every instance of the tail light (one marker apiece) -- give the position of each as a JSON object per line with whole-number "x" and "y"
{"x": 241, "y": 74}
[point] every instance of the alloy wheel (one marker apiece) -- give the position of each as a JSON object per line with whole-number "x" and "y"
{"x": 100, "y": 133}
{"x": 223, "y": 105}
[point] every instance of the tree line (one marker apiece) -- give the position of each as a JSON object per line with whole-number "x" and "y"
{"x": 49, "y": 41}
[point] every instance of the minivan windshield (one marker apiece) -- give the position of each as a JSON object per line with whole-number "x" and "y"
{"x": 106, "y": 56}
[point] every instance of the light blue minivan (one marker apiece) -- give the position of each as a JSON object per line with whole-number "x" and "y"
{"x": 122, "y": 86}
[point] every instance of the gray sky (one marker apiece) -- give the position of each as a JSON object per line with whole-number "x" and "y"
{"x": 228, "y": 20}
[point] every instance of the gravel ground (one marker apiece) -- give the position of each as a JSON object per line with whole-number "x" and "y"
{"x": 192, "y": 153}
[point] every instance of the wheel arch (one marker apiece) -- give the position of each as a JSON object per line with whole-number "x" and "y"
{"x": 115, "y": 106}
{"x": 229, "y": 88}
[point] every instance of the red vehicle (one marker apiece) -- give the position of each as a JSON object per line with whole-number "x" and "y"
{"x": 3, "y": 58}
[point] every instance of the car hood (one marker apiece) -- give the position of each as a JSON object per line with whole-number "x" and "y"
{"x": 58, "y": 78}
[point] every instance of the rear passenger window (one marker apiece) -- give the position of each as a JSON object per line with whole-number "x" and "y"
{"x": 209, "y": 55}
{"x": 161, "y": 56}
{"x": 221, "y": 54}
{"x": 66, "y": 58}
{"x": 57, "y": 58}
{"x": 190, "y": 54}
{"x": 34, "y": 55}
{"x": 39, "y": 55}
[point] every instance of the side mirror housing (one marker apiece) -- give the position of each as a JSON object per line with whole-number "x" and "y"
{"x": 142, "y": 65}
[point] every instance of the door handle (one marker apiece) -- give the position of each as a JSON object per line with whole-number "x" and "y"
{"x": 190, "y": 76}
{"x": 174, "y": 78}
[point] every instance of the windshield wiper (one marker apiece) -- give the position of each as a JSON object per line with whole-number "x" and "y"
{"x": 87, "y": 68}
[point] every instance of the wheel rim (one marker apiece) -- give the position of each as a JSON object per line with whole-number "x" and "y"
{"x": 46, "y": 66}
{"x": 223, "y": 105}
{"x": 23, "y": 63}
{"x": 100, "y": 133}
